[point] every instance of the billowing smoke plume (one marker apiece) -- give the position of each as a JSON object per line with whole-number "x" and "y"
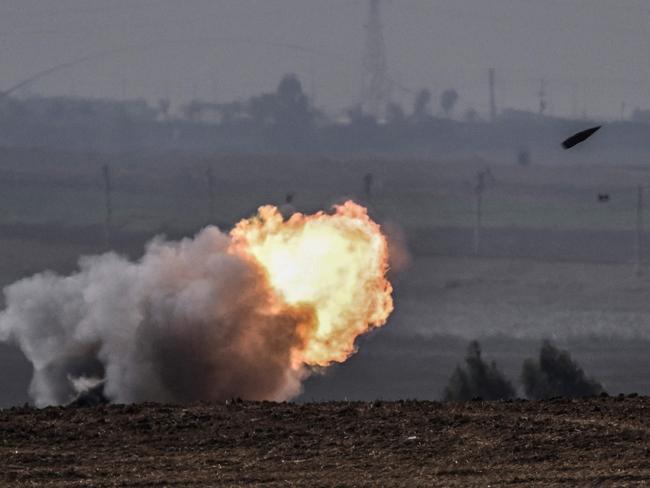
{"x": 189, "y": 321}
{"x": 193, "y": 320}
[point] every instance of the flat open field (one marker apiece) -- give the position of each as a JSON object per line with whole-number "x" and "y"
{"x": 161, "y": 191}
{"x": 600, "y": 441}
{"x": 555, "y": 263}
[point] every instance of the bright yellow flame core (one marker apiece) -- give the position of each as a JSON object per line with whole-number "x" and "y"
{"x": 336, "y": 264}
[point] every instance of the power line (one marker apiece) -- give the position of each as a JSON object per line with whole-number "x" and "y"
{"x": 155, "y": 45}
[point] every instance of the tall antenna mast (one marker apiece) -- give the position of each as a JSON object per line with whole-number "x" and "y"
{"x": 375, "y": 84}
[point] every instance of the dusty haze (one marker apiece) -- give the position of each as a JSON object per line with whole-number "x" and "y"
{"x": 592, "y": 52}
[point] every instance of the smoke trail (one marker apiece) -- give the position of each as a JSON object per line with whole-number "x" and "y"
{"x": 190, "y": 321}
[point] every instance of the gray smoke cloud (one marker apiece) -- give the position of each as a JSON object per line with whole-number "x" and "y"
{"x": 187, "y": 322}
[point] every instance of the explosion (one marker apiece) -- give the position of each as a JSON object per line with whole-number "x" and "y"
{"x": 210, "y": 318}
{"x": 335, "y": 264}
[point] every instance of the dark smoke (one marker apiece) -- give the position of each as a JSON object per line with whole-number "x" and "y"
{"x": 555, "y": 374}
{"x": 188, "y": 322}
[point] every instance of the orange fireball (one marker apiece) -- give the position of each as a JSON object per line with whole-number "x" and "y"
{"x": 335, "y": 264}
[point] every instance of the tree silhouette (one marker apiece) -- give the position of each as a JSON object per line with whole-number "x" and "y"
{"x": 448, "y": 100}
{"x": 287, "y": 111}
{"x": 556, "y": 375}
{"x": 478, "y": 379}
{"x": 422, "y": 105}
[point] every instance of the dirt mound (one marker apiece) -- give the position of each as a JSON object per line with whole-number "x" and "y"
{"x": 409, "y": 443}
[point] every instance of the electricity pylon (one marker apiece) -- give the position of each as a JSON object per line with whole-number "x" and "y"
{"x": 375, "y": 83}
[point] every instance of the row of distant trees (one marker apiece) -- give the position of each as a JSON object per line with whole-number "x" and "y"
{"x": 282, "y": 120}
{"x": 289, "y": 106}
{"x": 553, "y": 374}
{"x": 288, "y": 109}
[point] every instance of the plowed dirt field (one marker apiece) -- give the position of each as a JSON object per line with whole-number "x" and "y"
{"x": 600, "y": 441}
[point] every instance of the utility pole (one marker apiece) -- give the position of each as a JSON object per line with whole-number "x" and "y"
{"x": 493, "y": 103}
{"x": 211, "y": 193}
{"x": 639, "y": 230}
{"x": 108, "y": 206}
{"x": 481, "y": 179}
{"x": 542, "y": 97}
{"x": 479, "y": 217}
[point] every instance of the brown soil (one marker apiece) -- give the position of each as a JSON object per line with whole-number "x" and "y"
{"x": 601, "y": 441}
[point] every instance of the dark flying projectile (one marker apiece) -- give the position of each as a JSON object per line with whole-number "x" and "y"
{"x": 579, "y": 137}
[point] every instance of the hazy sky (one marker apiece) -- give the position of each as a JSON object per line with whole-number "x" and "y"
{"x": 594, "y": 53}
